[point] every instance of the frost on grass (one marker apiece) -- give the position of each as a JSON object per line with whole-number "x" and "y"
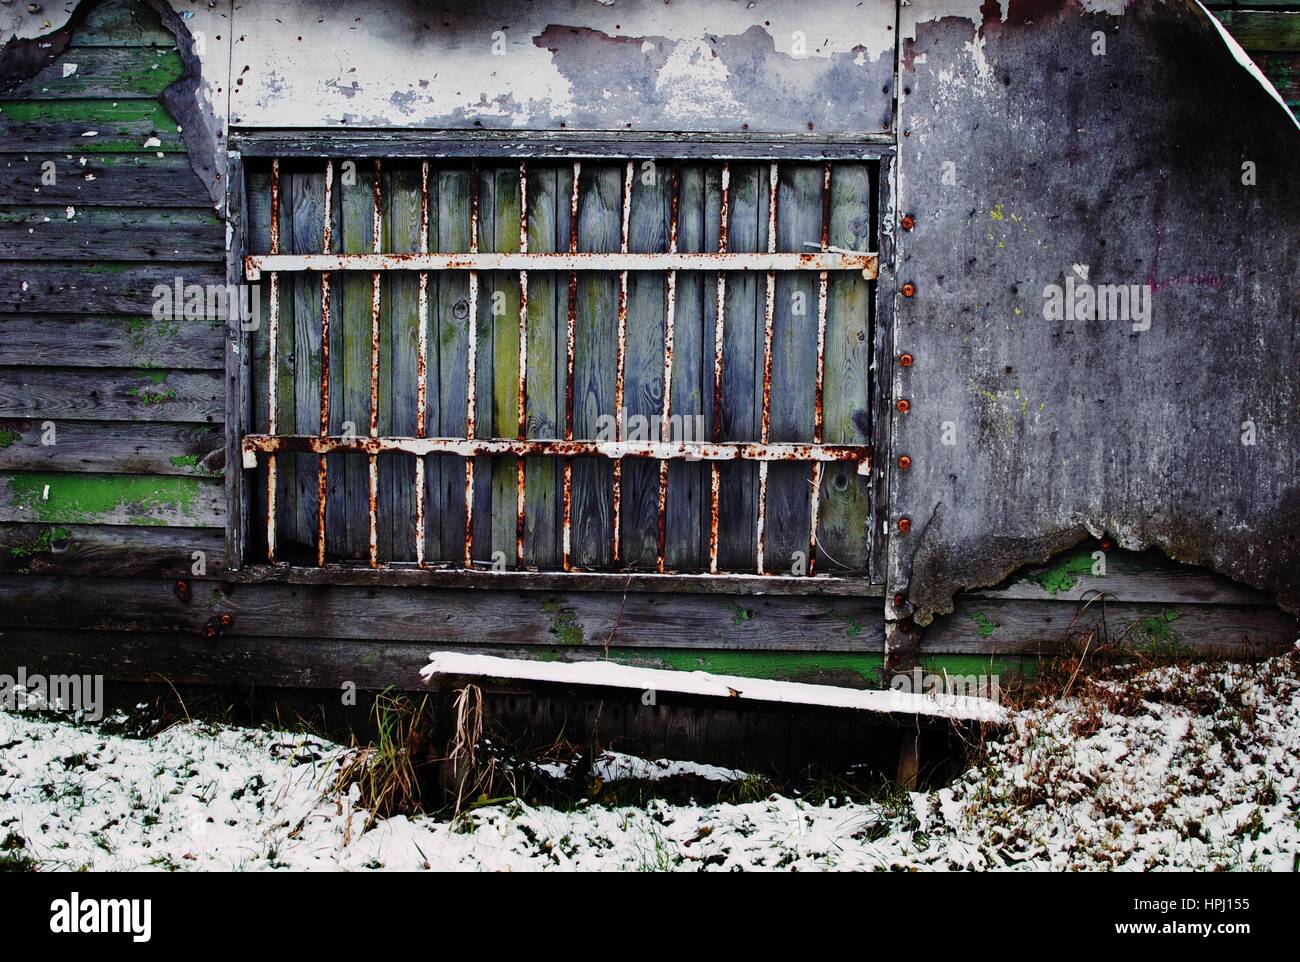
{"x": 1191, "y": 767}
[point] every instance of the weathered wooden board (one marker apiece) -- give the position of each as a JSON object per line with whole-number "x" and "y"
{"x": 1263, "y": 29}
{"x": 570, "y": 620}
{"x": 121, "y": 551}
{"x": 124, "y": 234}
{"x": 111, "y": 394}
{"x": 112, "y": 447}
{"x": 87, "y": 126}
{"x": 114, "y": 180}
{"x": 79, "y": 340}
{"x": 103, "y": 72}
{"x": 130, "y": 499}
{"x": 989, "y": 626}
{"x": 28, "y": 287}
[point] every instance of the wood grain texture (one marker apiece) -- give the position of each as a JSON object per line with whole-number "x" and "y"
{"x": 118, "y": 551}
{"x": 112, "y": 447}
{"x": 111, "y": 394}
{"x": 80, "y": 340}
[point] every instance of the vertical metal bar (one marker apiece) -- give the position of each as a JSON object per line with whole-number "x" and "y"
{"x": 818, "y": 411}
{"x": 321, "y": 475}
{"x": 375, "y": 279}
{"x": 273, "y": 337}
{"x": 471, "y": 376}
{"x": 422, "y": 364}
{"x": 719, "y": 330}
{"x": 770, "y": 304}
{"x": 620, "y": 362}
{"x": 570, "y": 340}
{"x": 523, "y": 365}
{"x": 665, "y": 422}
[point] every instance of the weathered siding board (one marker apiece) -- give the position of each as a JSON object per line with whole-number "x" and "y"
{"x": 111, "y": 394}
{"x": 120, "y": 551}
{"x": 141, "y": 234}
{"x": 79, "y": 340}
{"x": 111, "y": 499}
{"x": 30, "y": 287}
{"x": 112, "y": 447}
{"x": 103, "y": 72}
{"x": 570, "y": 620}
{"x": 105, "y": 180}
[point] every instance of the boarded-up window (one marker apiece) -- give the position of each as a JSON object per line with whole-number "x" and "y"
{"x": 759, "y": 443}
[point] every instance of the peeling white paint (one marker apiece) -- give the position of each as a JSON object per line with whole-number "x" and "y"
{"x": 1243, "y": 58}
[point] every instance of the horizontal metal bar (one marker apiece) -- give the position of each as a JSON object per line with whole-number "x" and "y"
{"x": 406, "y": 574}
{"x": 254, "y": 444}
{"x": 563, "y": 261}
{"x": 571, "y": 145}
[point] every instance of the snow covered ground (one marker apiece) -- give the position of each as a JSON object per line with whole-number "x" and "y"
{"x": 1174, "y": 768}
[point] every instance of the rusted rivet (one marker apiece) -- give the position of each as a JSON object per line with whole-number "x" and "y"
{"x": 908, "y": 222}
{"x": 904, "y": 525}
{"x": 1105, "y": 544}
{"x": 227, "y": 619}
{"x": 905, "y": 360}
{"x": 182, "y": 589}
{"x": 909, "y": 289}
{"x": 903, "y": 405}
{"x": 904, "y": 462}
{"x": 898, "y": 601}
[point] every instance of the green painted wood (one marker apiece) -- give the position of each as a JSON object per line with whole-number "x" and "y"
{"x": 845, "y": 498}
{"x": 129, "y": 499}
{"x": 112, "y": 447}
{"x": 485, "y": 395}
{"x": 599, "y": 228}
{"x": 75, "y": 340}
{"x": 111, "y": 394}
{"x": 87, "y": 126}
{"x": 1263, "y": 29}
{"x": 113, "y": 73}
{"x": 88, "y": 233}
{"x": 115, "y": 180}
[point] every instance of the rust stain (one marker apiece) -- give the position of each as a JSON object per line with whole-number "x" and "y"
{"x": 620, "y": 364}
{"x": 570, "y": 347}
{"x": 471, "y": 374}
{"x": 769, "y": 307}
{"x": 422, "y": 364}
{"x": 322, "y": 468}
{"x": 814, "y": 498}
{"x": 719, "y": 340}
{"x": 273, "y": 355}
{"x": 665, "y": 420}
{"x": 522, "y": 401}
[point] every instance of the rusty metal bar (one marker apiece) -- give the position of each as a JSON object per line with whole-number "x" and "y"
{"x": 255, "y": 444}
{"x": 665, "y": 424}
{"x": 570, "y": 342}
{"x": 523, "y": 365}
{"x": 422, "y": 364}
{"x": 471, "y": 376}
{"x": 769, "y": 306}
{"x": 818, "y": 410}
{"x": 757, "y": 262}
{"x": 273, "y": 336}
{"x": 322, "y": 491}
{"x": 375, "y": 280}
{"x": 719, "y": 331}
{"x": 620, "y": 360}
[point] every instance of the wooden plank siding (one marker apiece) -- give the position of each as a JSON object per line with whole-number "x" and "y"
{"x": 111, "y": 421}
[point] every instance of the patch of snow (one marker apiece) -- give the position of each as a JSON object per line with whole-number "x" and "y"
{"x": 1177, "y": 768}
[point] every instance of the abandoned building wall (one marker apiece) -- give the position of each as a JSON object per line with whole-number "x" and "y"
{"x": 1165, "y": 412}
{"x": 112, "y": 541}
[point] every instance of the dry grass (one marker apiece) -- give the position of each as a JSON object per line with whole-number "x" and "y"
{"x": 388, "y": 772}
